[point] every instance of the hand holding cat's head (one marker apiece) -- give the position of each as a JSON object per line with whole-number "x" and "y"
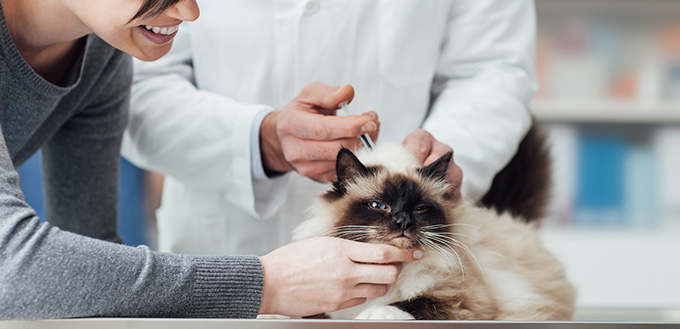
{"x": 428, "y": 150}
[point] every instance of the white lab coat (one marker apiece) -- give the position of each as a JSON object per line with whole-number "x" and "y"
{"x": 462, "y": 69}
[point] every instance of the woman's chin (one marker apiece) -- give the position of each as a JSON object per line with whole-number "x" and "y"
{"x": 149, "y": 55}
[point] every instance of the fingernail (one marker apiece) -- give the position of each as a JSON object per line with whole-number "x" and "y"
{"x": 417, "y": 254}
{"x": 372, "y": 114}
{"x": 341, "y": 88}
{"x": 369, "y": 127}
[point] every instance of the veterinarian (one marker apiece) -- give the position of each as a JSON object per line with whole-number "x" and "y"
{"x": 64, "y": 87}
{"x": 227, "y": 115}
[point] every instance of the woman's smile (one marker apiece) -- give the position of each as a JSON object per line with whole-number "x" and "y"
{"x": 159, "y": 34}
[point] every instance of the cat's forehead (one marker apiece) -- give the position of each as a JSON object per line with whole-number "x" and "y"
{"x": 395, "y": 170}
{"x": 392, "y": 157}
{"x": 395, "y": 185}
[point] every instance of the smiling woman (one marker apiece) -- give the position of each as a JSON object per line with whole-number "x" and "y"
{"x": 157, "y": 34}
{"x": 123, "y": 24}
{"x": 64, "y": 88}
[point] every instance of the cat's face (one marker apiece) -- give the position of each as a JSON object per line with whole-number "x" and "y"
{"x": 377, "y": 205}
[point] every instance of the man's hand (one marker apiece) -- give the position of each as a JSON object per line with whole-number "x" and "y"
{"x": 323, "y": 274}
{"x": 306, "y": 135}
{"x": 427, "y": 149}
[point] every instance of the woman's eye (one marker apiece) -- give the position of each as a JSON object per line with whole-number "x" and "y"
{"x": 377, "y": 205}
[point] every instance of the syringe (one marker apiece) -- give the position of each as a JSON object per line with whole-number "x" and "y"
{"x": 365, "y": 138}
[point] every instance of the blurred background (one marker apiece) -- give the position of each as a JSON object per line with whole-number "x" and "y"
{"x": 609, "y": 72}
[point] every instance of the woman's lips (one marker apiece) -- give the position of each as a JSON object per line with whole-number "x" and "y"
{"x": 159, "y": 35}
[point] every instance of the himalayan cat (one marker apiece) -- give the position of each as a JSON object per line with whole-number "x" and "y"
{"x": 478, "y": 264}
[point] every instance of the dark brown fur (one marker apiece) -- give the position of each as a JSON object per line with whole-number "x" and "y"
{"x": 523, "y": 187}
{"x": 409, "y": 207}
{"x": 449, "y": 308}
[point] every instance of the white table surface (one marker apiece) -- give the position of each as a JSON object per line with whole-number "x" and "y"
{"x": 104, "y": 323}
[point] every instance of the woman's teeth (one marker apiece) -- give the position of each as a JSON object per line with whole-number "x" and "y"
{"x": 162, "y": 30}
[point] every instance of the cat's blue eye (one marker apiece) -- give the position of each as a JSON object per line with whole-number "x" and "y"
{"x": 377, "y": 205}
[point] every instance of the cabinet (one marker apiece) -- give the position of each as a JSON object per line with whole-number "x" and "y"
{"x": 610, "y": 97}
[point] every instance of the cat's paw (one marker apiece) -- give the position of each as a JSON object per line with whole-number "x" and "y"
{"x": 384, "y": 312}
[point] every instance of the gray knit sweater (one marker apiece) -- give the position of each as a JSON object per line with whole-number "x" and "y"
{"x": 65, "y": 268}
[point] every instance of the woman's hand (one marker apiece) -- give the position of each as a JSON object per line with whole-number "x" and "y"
{"x": 323, "y": 274}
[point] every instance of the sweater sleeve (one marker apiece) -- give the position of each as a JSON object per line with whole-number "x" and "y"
{"x": 81, "y": 161}
{"x": 46, "y": 272}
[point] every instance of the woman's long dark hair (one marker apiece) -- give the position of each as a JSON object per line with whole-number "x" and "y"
{"x": 154, "y": 7}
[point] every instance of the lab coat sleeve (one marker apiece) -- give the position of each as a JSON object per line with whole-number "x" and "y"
{"x": 484, "y": 80}
{"x": 198, "y": 137}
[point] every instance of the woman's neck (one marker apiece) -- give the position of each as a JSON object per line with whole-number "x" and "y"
{"x": 46, "y": 33}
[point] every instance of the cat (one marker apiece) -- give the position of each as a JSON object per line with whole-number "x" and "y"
{"x": 479, "y": 264}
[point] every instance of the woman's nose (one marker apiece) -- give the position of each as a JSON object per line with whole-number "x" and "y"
{"x": 185, "y": 10}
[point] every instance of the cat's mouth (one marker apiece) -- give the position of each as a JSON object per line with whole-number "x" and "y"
{"x": 404, "y": 240}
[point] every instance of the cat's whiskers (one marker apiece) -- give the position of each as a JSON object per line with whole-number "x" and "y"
{"x": 465, "y": 196}
{"x": 440, "y": 244}
{"x": 432, "y": 228}
{"x": 457, "y": 234}
{"x": 353, "y": 236}
{"x": 351, "y": 228}
{"x": 351, "y": 232}
{"x": 423, "y": 241}
{"x": 438, "y": 226}
{"x": 445, "y": 239}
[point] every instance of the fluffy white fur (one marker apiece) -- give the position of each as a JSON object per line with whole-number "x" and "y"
{"x": 505, "y": 263}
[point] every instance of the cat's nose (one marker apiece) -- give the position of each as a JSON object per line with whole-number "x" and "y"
{"x": 403, "y": 220}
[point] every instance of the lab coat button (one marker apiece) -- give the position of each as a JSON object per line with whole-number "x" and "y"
{"x": 311, "y": 7}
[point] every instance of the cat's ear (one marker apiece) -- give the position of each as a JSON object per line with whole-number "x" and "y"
{"x": 437, "y": 169}
{"x": 348, "y": 166}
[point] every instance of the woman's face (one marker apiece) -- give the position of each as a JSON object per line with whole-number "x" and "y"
{"x": 146, "y": 38}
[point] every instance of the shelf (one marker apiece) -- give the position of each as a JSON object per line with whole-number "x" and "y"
{"x": 606, "y": 112}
